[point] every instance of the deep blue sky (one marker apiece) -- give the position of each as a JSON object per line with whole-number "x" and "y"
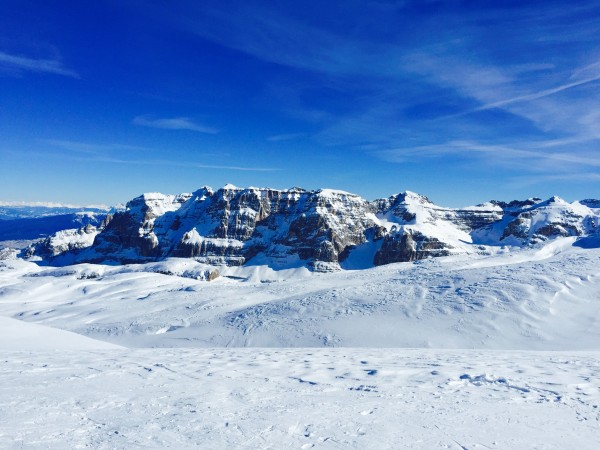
{"x": 460, "y": 101}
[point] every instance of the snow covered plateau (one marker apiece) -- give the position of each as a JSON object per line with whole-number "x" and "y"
{"x": 256, "y": 318}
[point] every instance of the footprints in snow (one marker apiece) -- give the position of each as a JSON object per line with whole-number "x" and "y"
{"x": 312, "y": 383}
{"x": 545, "y": 395}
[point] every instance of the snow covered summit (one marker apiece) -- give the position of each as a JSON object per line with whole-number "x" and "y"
{"x": 323, "y": 230}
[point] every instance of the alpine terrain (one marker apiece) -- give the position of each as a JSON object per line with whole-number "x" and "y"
{"x": 324, "y": 230}
{"x": 264, "y": 318}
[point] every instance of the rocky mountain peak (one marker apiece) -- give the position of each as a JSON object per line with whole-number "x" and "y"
{"x": 517, "y": 204}
{"x": 556, "y": 199}
{"x": 321, "y": 229}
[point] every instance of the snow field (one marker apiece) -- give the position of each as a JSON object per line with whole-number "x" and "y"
{"x": 299, "y": 398}
{"x": 486, "y": 389}
{"x": 539, "y": 299}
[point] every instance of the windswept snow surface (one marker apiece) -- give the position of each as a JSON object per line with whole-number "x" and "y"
{"x": 505, "y": 354}
{"x": 545, "y": 298}
{"x": 299, "y": 398}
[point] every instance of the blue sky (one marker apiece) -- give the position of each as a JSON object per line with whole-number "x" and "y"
{"x": 460, "y": 101}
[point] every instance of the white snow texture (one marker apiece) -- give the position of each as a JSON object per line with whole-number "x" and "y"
{"x": 472, "y": 351}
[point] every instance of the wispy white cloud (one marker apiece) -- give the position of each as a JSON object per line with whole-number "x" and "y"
{"x": 511, "y": 153}
{"x": 524, "y": 91}
{"x": 105, "y": 153}
{"x": 573, "y": 177}
{"x": 534, "y": 95}
{"x": 279, "y": 38}
{"x": 111, "y": 148}
{"x": 589, "y": 71}
{"x": 86, "y": 147}
{"x": 17, "y": 63}
{"x": 561, "y": 142}
{"x": 398, "y": 84}
{"x": 493, "y": 154}
{"x": 163, "y": 162}
{"x": 175, "y": 123}
{"x": 285, "y": 137}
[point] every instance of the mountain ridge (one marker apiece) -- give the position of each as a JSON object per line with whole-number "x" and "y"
{"x": 322, "y": 229}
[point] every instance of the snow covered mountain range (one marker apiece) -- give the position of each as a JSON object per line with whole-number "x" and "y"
{"x": 28, "y": 221}
{"x": 324, "y": 230}
{"x": 504, "y": 331}
{"x": 31, "y": 210}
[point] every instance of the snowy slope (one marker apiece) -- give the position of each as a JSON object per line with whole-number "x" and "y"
{"x": 19, "y": 335}
{"x": 546, "y": 297}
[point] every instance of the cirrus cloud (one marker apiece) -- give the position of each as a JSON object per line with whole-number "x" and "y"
{"x": 175, "y": 123}
{"x": 17, "y": 63}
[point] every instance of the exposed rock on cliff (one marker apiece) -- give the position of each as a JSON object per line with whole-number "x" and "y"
{"x": 319, "y": 229}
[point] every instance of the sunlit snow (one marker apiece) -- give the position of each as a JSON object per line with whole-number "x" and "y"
{"x": 508, "y": 354}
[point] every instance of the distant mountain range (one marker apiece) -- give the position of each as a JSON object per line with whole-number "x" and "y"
{"x": 35, "y": 210}
{"x": 324, "y": 230}
{"x": 29, "y": 221}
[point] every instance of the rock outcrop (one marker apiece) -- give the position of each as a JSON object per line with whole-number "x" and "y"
{"x": 66, "y": 241}
{"x": 319, "y": 229}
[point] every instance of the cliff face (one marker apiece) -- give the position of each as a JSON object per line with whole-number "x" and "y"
{"x": 233, "y": 226}
{"x": 320, "y": 229}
